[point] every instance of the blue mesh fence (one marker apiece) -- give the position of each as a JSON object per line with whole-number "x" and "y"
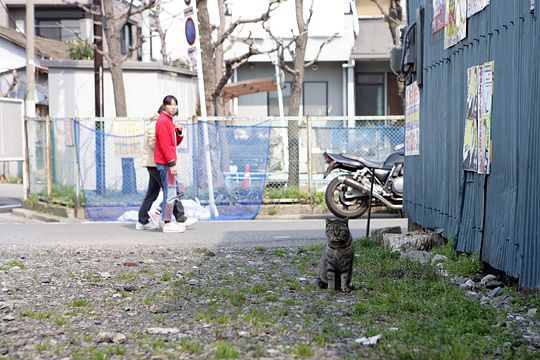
{"x": 114, "y": 182}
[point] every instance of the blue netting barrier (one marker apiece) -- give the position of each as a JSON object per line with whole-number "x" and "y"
{"x": 114, "y": 182}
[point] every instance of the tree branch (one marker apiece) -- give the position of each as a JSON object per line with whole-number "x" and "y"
{"x": 326, "y": 42}
{"x": 386, "y": 15}
{"x": 263, "y": 17}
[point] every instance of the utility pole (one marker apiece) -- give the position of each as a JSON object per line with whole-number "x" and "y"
{"x": 30, "y": 102}
{"x": 98, "y": 97}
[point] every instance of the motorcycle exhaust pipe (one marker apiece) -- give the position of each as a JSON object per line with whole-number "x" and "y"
{"x": 358, "y": 186}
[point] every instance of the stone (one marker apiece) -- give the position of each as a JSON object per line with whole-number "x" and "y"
{"x": 492, "y": 284}
{"x": 477, "y": 277}
{"x": 377, "y": 235}
{"x": 468, "y": 285}
{"x": 193, "y": 282}
{"x": 420, "y": 256}
{"x": 495, "y": 292}
{"x": 408, "y": 242}
{"x": 487, "y": 278}
{"x": 9, "y": 318}
{"x": 531, "y": 312}
{"x": 129, "y": 288}
{"x": 105, "y": 275}
{"x": 438, "y": 259}
{"x": 162, "y": 331}
{"x": 473, "y": 294}
{"x": 130, "y": 263}
{"x": 367, "y": 341}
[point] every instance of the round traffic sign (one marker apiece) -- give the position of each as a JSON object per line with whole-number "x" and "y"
{"x": 190, "y": 31}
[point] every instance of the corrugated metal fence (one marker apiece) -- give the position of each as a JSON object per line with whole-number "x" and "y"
{"x": 494, "y": 215}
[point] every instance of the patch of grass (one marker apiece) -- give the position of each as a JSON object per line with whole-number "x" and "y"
{"x": 118, "y": 350}
{"x": 60, "y": 320}
{"x": 279, "y": 252}
{"x": 41, "y": 347}
{"x": 13, "y": 264}
{"x": 166, "y": 277}
{"x": 126, "y": 276}
{"x": 82, "y": 302}
{"x": 36, "y": 315}
{"x": 224, "y": 350}
{"x": 157, "y": 343}
{"x": 189, "y": 346}
{"x": 272, "y": 211}
{"x": 260, "y": 249}
{"x": 462, "y": 264}
{"x": 304, "y": 351}
{"x": 286, "y": 193}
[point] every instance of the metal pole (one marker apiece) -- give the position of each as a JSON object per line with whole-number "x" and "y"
{"x": 48, "y": 154}
{"x": 30, "y": 103}
{"x": 204, "y": 116}
{"x": 98, "y": 97}
{"x": 309, "y": 162}
{"x": 369, "y": 204}
{"x": 283, "y": 125}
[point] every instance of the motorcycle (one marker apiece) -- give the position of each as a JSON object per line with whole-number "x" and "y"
{"x": 348, "y": 194}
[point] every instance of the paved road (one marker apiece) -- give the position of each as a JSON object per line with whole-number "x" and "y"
{"x": 210, "y": 234}
{"x": 10, "y": 197}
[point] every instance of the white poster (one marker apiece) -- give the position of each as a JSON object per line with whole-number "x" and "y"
{"x": 412, "y": 120}
{"x": 474, "y": 6}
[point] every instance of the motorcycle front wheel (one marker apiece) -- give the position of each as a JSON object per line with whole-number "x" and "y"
{"x": 342, "y": 207}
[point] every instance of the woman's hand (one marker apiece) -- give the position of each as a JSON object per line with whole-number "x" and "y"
{"x": 173, "y": 170}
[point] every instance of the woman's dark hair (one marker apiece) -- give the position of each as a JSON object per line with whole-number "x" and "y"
{"x": 167, "y": 100}
{"x": 161, "y": 109}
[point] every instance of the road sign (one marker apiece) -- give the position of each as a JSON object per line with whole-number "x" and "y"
{"x": 190, "y": 31}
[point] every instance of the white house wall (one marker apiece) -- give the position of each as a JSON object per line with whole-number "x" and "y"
{"x": 256, "y": 105}
{"x": 71, "y": 89}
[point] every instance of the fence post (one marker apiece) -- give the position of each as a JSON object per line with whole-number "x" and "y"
{"x": 26, "y": 162}
{"x": 48, "y": 154}
{"x": 77, "y": 188}
{"x": 309, "y": 162}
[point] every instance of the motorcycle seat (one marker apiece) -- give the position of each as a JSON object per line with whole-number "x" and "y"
{"x": 366, "y": 162}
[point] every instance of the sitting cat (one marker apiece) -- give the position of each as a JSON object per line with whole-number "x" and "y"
{"x": 336, "y": 265}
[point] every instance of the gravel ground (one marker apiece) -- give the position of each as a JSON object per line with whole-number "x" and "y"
{"x": 166, "y": 304}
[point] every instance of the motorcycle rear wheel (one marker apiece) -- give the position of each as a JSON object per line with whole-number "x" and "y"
{"x": 339, "y": 206}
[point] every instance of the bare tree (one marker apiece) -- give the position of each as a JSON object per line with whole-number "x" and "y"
{"x": 296, "y": 47}
{"x": 114, "y": 15}
{"x": 218, "y": 70}
{"x": 393, "y": 16}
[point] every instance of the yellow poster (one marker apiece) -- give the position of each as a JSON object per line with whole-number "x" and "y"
{"x": 127, "y": 137}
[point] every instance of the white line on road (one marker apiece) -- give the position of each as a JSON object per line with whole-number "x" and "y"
{"x": 283, "y": 237}
{"x": 9, "y": 206}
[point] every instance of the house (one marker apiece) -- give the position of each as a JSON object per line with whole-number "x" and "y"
{"x": 352, "y": 74}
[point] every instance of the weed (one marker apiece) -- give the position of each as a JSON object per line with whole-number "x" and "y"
{"x": 41, "y": 347}
{"x": 189, "y": 346}
{"x": 60, "y": 320}
{"x": 304, "y": 351}
{"x": 224, "y": 350}
{"x": 36, "y": 315}
{"x": 13, "y": 264}
{"x": 80, "y": 303}
{"x": 166, "y": 277}
{"x": 272, "y": 211}
{"x": 126, "y": 276}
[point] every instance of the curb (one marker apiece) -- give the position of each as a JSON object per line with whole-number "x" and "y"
{"x": 34, "y": 215}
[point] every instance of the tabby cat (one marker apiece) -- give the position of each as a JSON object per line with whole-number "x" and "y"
{"x": 336, "y": 265}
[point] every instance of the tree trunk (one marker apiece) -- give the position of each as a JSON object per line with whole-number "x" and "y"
{"x": 207, "y": 51}
{"x": 296, "y": 94}
{"x": 162, "y": 35}
{"x": 113, "y": 32}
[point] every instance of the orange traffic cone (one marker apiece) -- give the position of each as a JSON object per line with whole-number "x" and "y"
{"x": 246, "y": 183}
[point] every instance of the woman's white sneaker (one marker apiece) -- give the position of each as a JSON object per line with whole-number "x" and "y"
{"x": 172, "y": 227}
{"x": 190, "y": 221}
{"x": 147, "y": 226}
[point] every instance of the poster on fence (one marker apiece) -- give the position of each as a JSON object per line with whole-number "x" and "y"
{"x": 456, "y": 22}
{"x": 474, "y": 6}
{"x": 470, "y": 145}
{"x": 438, "y": 19}
{"x": 412, "y": 120}
{"x": 485, "y": 95}
{"x": 127, "y": 138}
{"x": 477, "y": 138}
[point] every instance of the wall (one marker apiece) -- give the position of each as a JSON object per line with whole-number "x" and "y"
{"x": 71, "y": 89}
{"x": 257, "y": 104}
{"x": 494, "y": 215}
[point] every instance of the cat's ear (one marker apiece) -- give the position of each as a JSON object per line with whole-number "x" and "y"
{"x": 346, "y": 220}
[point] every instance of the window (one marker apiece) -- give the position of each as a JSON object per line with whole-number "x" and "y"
{"x": 315, "y": 98}
{"x": 370, "y": 93}
{"x": 58, "y": 29}
{"x": 273, "y": 105}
